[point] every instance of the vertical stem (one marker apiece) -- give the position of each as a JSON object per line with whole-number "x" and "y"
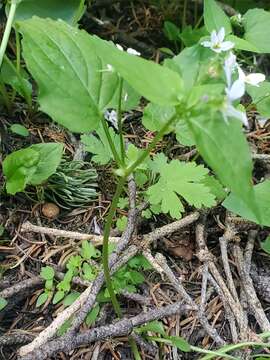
{"x": 105, "y": 249}
{"x": 18, "y": 51}
{"x": 110, "y": 141}
{"x": 119, "y": 120}
{"x": 7, "y": 31}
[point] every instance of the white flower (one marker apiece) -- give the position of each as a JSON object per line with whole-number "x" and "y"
{"x": 129, "y": 50}
{"x": 216, "y": 43}
{"x": 230, "y": 65}
{"x": 253, "y": 79}
{"x": 236, "y": 91}
{"x": 111, "y": 116}
{"x": 133, "y": 52}
{"x": 119, "y": 47}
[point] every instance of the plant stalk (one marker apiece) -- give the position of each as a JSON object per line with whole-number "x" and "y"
{"x": 110, "y": 141}
{"x": 119, "y": 121}
{"x": 7, "y": 31}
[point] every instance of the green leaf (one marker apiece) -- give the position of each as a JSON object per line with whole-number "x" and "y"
{"x": 88, "y": 250}
{"x": 156, "y": 83}
{"x": 262, "y": 199}
{"x": 32, "y": 165}
{"x": 139, "y": 262}
{"x": 99, "y": 146}
{"x": 122, "y": 203}
{"x": 257, "y": 29}
{"x": 130, "y": 98}
{"x": 135, "y": 277}
{"x": 47, "y": 273}
{"x": 155, "y": 117}
{"x": 180, "y": 343}
{"x": 64, "y": 285}
{"x": 171, "y": 31}
{"x": 64, "y": 328}
{"x": 153, "y": 326}
{"x": 54, "y": 9}
{"x": 59, "y": 295}
{"x": 74, "y": 89}
{"x": 49, "y": 284}
{"x": 265, "y": 245}
{"x": 88, "y": 272}
{"x": 242, "y": 44}
{"x": 92, "y": 315}
{"x": 19, "y": 81}
{"x": 191, "y": 36}
{"x": 261, "y": 97}
{"x": 3, "y": 303}
{"x": 215, "y": 187}
{"x": 42, "y": 299}
{"x": 215, "y": 18}
{"x": 74, "y": 262}
{"x": 225, "y": 148}
{"x": 70, "y": 298}
{"x": 19, "y": 130}
{"x": 179, "y": 179}
{"x": 121, "y": 223}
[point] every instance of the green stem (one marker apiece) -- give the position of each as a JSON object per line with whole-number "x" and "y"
{"x": 119, "y": 120}
{"x": 134, "y": 348}
{"x": 18, "y": 51}
{"x": 7, "y": 31}
{"x": 152, "y": 145}
{"x": 110, "y": 141}
{"x": 105, "y": 249}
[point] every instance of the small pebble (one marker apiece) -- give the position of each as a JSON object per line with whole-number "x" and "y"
{"x": 50, "y": 210}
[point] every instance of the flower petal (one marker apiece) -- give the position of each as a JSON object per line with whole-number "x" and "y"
{"x": 241, "y": 74}
{"x": 229, "y": 66}
{"x": 237, "y": 114}
{"x": 226, "y": 45}
{"x": 255, "y": 79}
{"x": 221, "y": 35}
{"x": 214, "y": 37}
{"x": 236, "y": 91}
{"x": 119, "y": 47}
{"x": 133, "y": 52}
{"x": 206, "y": 44}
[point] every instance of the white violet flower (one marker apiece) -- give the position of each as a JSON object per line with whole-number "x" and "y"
{"x": 230, "y": 65}
{"x": 252, "y": 79}
{"x": 129, "y": 50}
{"x": 217, "y": 42}
{"x": 111, "y": 117}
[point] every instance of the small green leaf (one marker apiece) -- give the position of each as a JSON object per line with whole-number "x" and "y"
{"x": 47, "y": 273}
{"x": 179, "y": 178}
{"x": 171, "y": 31}
{"x": 153, "y": 326}
{"x": 74, "y": 262}
{"x": 31, "y": 165}
{"x": 92, "y": 315}
{"x": 64, "y": 328}
{"x": 180, "y": 343}
{"x": 59, "y": 295}
{"x": 139, "y": 262}
{"x": 88, "y": 272}
{"x": 70, "y": 298}
{"x": 215, "y": 18}
{"x": 42, "y": 299}
{"x": 99, "y": 146}
{"x": 19, "y": 130}
{"x": 215, "y": 187}
{"x": 3, "y": 303}
{"x": 88, "y": 250}
{"x": 135, "y": 277}
{"x": 49, "y": 284}
{"x": 122, "y": 203}
{"x": 121, "y": 223}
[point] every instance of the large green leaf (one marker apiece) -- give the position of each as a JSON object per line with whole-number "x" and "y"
{"x": 73, "y": 88}
{"x": 257, "y": 26}
{"x": 215, "y": 18}
{"x": 225, "y": 149}
{"x": 156, "y": 83}
{"x": 68, "y": 10}
{"x": 262, "y": 196}
{"x": 261, "y": 97}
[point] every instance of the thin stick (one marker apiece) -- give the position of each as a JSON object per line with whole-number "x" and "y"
{"x": 95, "y": 239}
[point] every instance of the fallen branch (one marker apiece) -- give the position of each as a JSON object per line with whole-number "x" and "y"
{"x": 120, "y": 328}
{"x": 95, "y": 239}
